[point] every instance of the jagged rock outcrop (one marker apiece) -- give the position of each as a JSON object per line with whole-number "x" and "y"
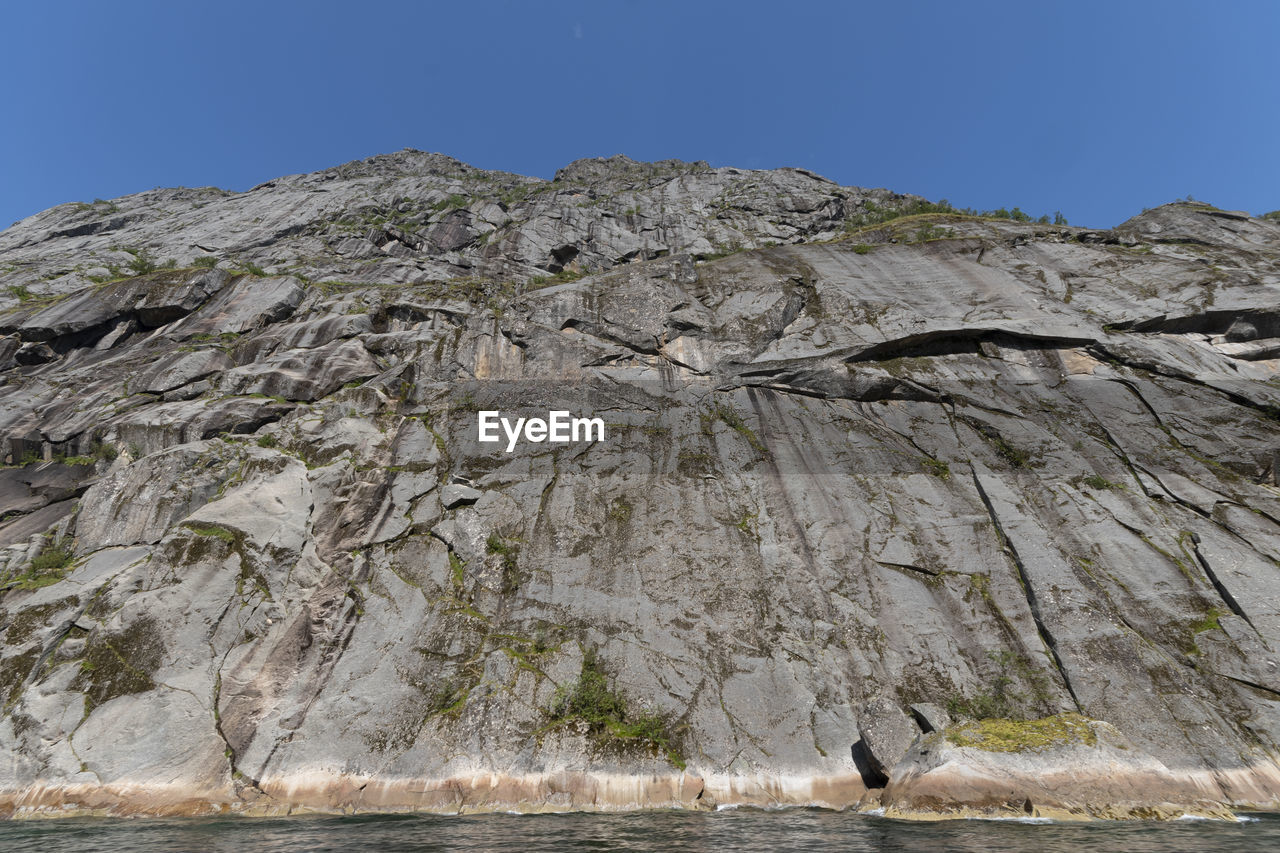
{"x": 1064, "y": 767}
{"x": 413, "y": 217}
{"x": 254, "y": 556}
{"x": 885, "y": 733}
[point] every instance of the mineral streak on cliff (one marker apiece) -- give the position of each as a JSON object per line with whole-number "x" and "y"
{"x": 864, "y": 485}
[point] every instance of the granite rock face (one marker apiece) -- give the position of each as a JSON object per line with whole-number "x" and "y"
{"x": 412, "y": 217}
{"x": 255, "y": 558}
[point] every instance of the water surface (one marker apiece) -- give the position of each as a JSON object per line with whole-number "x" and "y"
{"x": 746, "y": 830}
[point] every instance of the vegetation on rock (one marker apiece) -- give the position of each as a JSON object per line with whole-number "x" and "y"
{"x": 48, "y": 567}
{"x": 1002, "y": 735}
{"x": 608, "y": 714}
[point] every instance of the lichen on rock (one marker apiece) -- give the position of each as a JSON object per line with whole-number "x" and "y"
{"x": 1024, "y": 735}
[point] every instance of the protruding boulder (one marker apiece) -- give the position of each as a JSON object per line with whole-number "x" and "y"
{"x": 455, "y": 495}
{"x": 182, "y": 368}
{"x": 886, "y": 733}
{"x": 34, "y": 353}
{"x": 930, "y": 717}
{"x": 1065, "y": 766}
{"x": 1242, "y": 330}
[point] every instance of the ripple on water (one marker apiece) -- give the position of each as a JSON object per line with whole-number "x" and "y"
{"x": 737, "y": 829}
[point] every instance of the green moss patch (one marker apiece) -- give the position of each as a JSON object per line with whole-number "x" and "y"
{"x": 1015, "y": 456}
{"x": 1098, "y": 483}
{"x": 1024, "y": 736}
{"x": 457, "y": 567}
{"x": 937, "y": 467}
{"x": 1209, "y": 622}
{"x": 449, "y": 697}
{"x": 999, "y": 699}
{"x": 119, "y": 664}
{"x": 28, "y": 621}
{"x": 734, "y": 421}
{"x": 509, "y": 552}
{"x": 14, "y": 671}
{"x": 620, "y": 510}
{"x": 216, "y": 532}
{"x": 608, "y": 715}
{"x": 691, "y": 463}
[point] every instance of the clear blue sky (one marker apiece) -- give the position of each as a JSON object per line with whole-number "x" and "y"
{"x": 1097, "y": 109}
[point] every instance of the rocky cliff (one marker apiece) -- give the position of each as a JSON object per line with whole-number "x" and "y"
{"x": 937, "y": 513}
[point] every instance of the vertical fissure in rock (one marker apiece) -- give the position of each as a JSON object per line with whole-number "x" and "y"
{"x": 1123, "y": 455}
{"x": 1217, "y": 583}
{"x": 232, "y": 758}
{"x": 1033, "y": 604}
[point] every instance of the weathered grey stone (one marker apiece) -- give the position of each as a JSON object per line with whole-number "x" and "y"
{"x": 455, "y": 495}
{"x": 886, "y": 734}
{"x": 930, "y": 717}
{"x": 1072, "y": 770}
{"x": 182, "y": 369}
{"x": 1019, "y": 471}
{"x": 303, "y": 374}
{"x": 140, "y": 503}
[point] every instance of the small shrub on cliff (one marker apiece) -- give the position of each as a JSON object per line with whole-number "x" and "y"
{"x": 734, "y": 421}
{"x": 49, "y": 567}
{"x": 606, "y": 712}
{"x": 104, "y": 451}
{"x": 74, "y": 460}
{"x": 928, "y": 232}
{"x": 141, "y": 263}
{"x": 1015, "y": 456}
{"x": 937, "y": 467}
{"x": 1099, "y": 483}
{"x": 589, "y": 698}
{"x": 451, "y": 203}
{"x": 54, "y": 557}
{"x": 509, "y": 552}
{"x": 448, "y": 698}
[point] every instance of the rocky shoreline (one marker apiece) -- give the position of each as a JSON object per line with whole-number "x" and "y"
{"x": 1067, "y": 769}
{"x": 1053, "y": 792}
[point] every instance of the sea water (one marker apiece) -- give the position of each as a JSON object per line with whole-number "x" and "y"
{"x": 736, "y": 829}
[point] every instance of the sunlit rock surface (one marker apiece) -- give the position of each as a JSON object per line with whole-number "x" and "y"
{"x": 255, "y": 559}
